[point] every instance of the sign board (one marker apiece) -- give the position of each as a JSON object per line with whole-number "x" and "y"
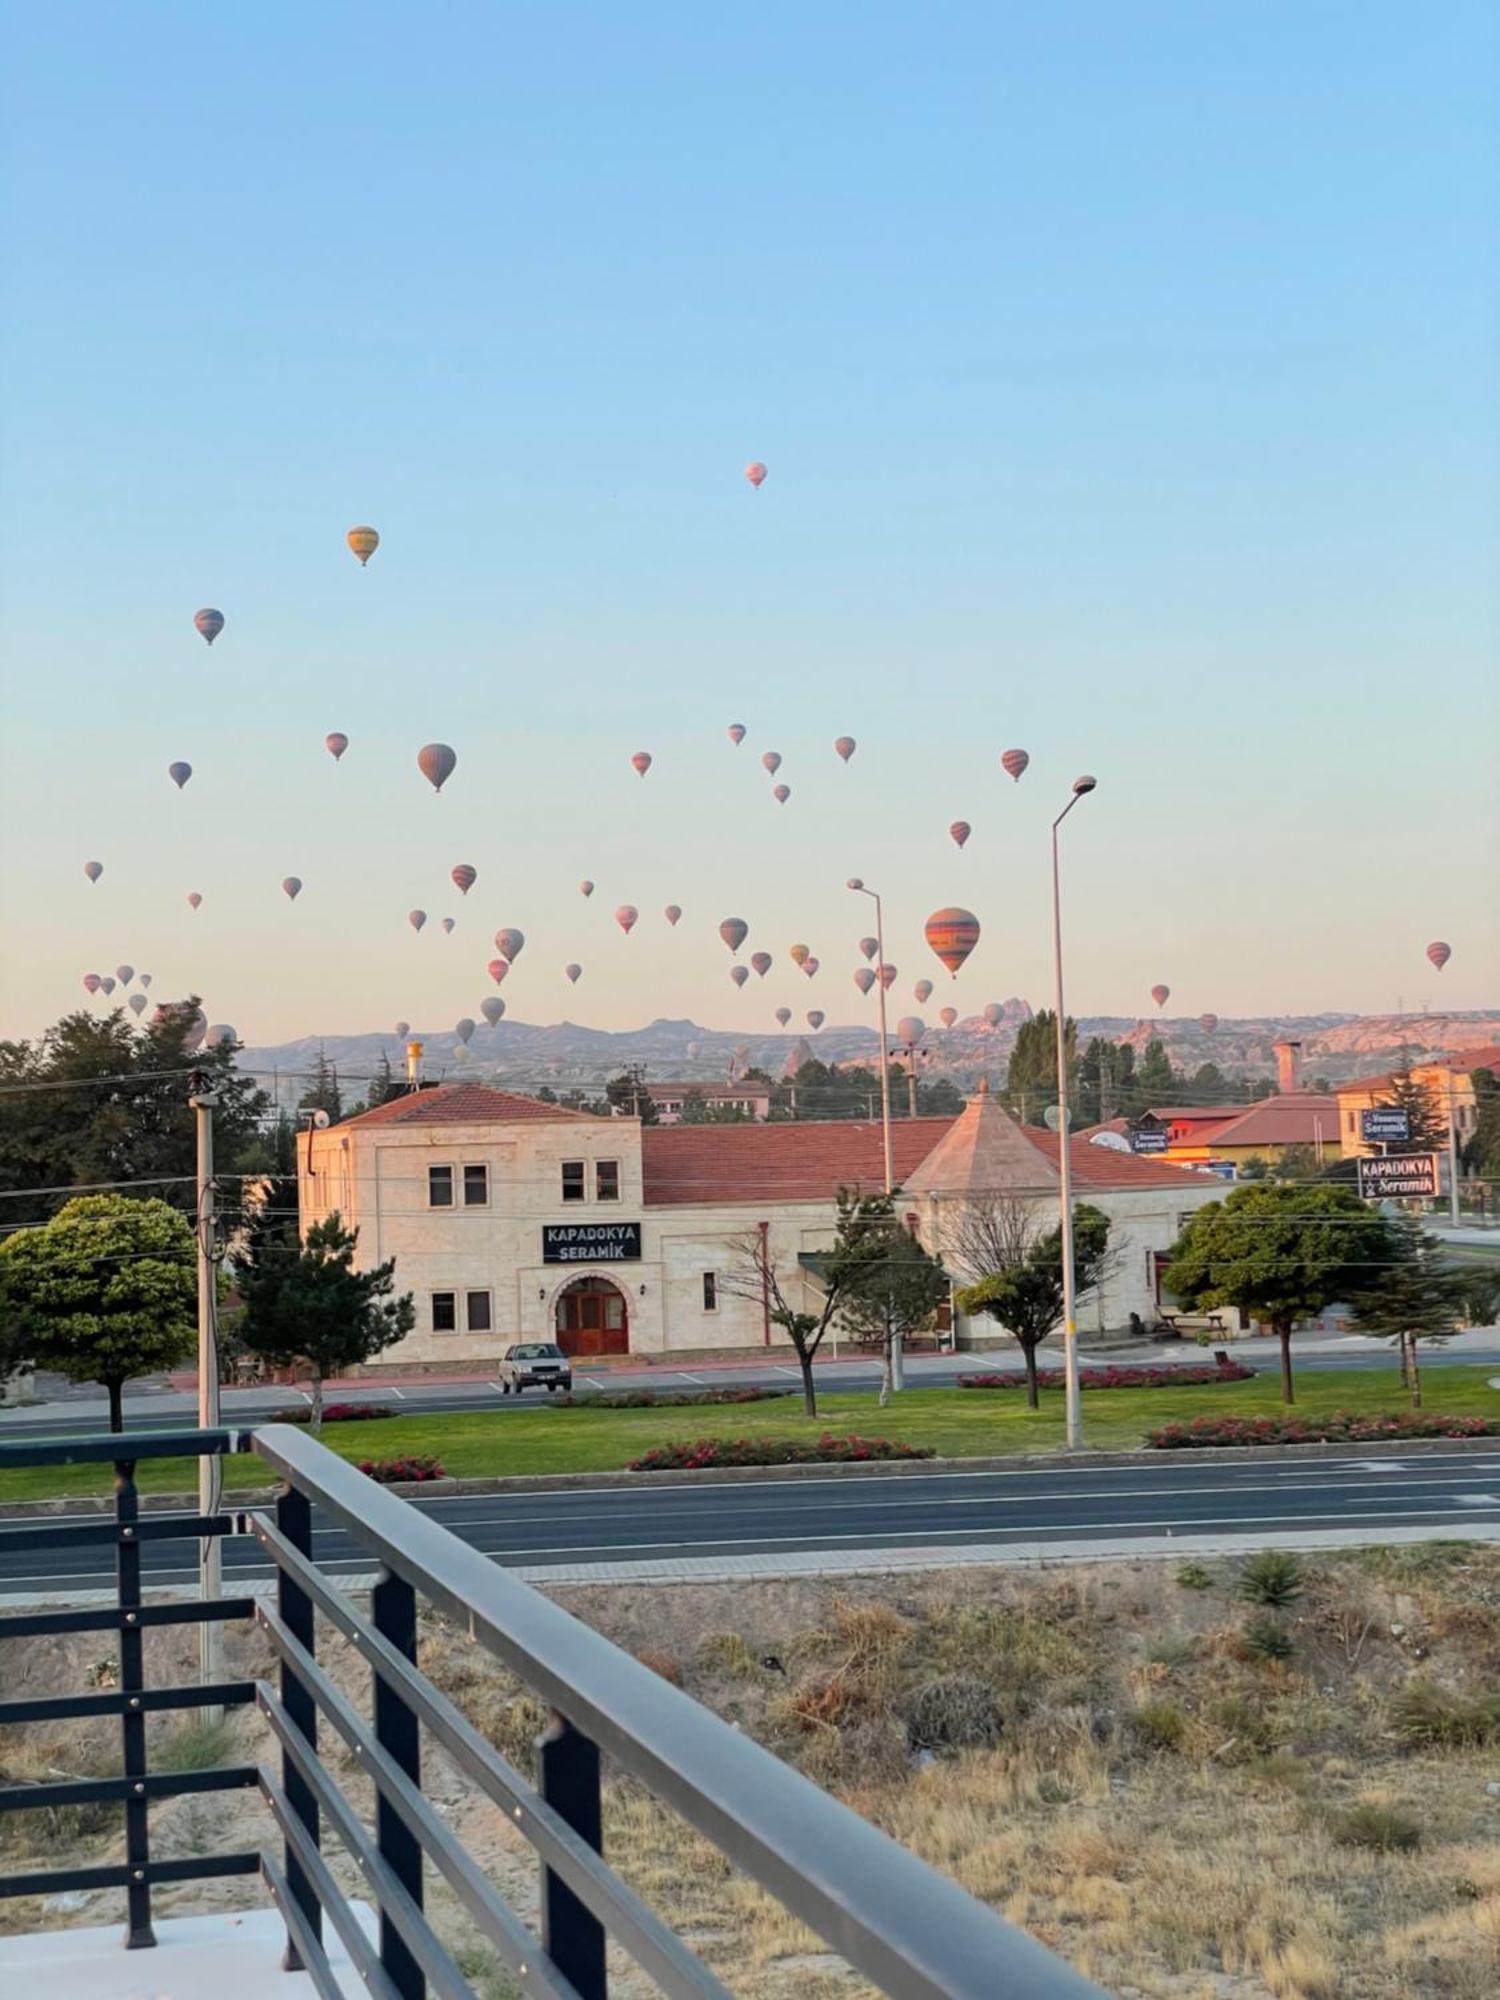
{"x": 1398, "y": 1176}
{"x": 1148, "y": 1142}
{"x": 591, "y": 1242}
{"x": 1390, "y": 1123}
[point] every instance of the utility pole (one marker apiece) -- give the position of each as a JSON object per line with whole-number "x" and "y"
{"x": 1074, "y": 1401}
{"x": 210, "y": 1465}
{"x": 1452, "y": 1155}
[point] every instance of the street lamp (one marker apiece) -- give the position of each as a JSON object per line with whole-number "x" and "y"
{"x": 1081, "y": 786}
{"x": 857, "y": 885}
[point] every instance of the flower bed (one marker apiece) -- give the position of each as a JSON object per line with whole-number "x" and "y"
{"x": 336, "y": 1413}
{"x": 1118, "y": 1378}
{"x": 414, "y": 1470}
{"x": 646, "y": 1399}
{"x": 824, "y": 1450}
{"x": 1342, "y": 1427}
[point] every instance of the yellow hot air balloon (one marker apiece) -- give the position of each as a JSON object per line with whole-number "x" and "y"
{"x": 364, "y": 542}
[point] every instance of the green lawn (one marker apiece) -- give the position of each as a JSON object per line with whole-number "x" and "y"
{"x": 957, "y": 1423}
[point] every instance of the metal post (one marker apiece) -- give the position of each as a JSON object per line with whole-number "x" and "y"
{"x": 393, "y": 1613}
{"x": 885, "y": 1067}
{"x": 294, "y": 1519}
{"x": 1074, "y": 1401}
{"x": 138, "y": 1932}
{"x": 1452, "y": 1156}
{"x": 210, "y": 1466}
{"x": 568, "y": 1776}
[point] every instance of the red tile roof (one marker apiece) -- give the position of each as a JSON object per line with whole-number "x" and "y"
{"x": 1460, "y": 1065}
{"x": 464, "y": 1104}
{"x": 1198, "y": 1113}
{"x": 1100, "y": 1170}
{"x": 1299, "y": 1118}
{"x": 791, "y": 1162}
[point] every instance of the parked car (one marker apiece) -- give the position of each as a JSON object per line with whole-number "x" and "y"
{"x": 534, "y": 1364}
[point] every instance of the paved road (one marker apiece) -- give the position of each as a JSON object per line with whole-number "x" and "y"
{"x": 1444, "y": 1494}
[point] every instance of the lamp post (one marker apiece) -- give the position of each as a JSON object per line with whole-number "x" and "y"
{"x": 857, "y": 885}
{"x": 1081, "y": 786}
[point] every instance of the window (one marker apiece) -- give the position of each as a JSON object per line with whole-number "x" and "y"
{"x": 607, "y": 1180}
{"x": 476, "y": 1186}
{"x": 445, "y": 1312}
{"x": 440, "y": 1187}
{"x": 572, "y": 1180}
{"x": 1349, "y": 1115}
{"x": 710, "y": 1291}
{"x": 477, "y": 1311}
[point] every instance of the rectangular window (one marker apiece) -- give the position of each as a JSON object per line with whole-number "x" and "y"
{"x": 710, "y": 1291}
{"x": 476, "y": 1186}
{"x": 440, "y": 1187}
{"x": 477, "y": 1311}
{"x": 1349, "y": 1115}
{"x": 572, "y": 1180}
{"x": 445, "y": 1312}
{"x": 607, "y": 1180}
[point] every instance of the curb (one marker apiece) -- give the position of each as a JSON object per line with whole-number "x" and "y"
{"x": 551, "y": 1482}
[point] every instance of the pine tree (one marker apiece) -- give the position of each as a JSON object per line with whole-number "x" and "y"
{"x": 1426, "y": 1116}
{"x": 1031, "y": 1079}
{"x": 322, "y": 1092}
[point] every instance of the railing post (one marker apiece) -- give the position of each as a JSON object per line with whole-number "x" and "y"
{"x": 568, "y": 1777}
{"x": 393, "y": 1613}
{"x": 294, "y": 1519}
{"x": 132, "y": 1720}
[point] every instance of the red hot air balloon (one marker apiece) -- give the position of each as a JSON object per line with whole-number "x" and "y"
{"x": 194, "y": 899}
{"x": 783, "y": 1015}
{"x": 209, "y": 622}
{"x": 960, "y": 831}
{"x": 492, "y": 1009}
{"x": 498, "y": 968}
{"x": 755, "y": 472}
{"x": 437, "y": 763}
{"x": 179, "y": 773}
{"x": 91, "y": 982}
{"x": 673, "y": 914}
{"x": 572, "y": 973}
{"x": 922, "y": 991}
{"x": 994, "y": 1014}
{"x": 1438, "y": 954}
{"x": 336, "y": 743}
{"x": 845, "y": 746}
{"x": 585, "y": 888}
{"x": 416, "y": 918}
{"x": 887, "y": 976}
{"x": 1208, "y": 1022}
{"x": 627, "y": 917}
{"x": 734, "y": 931}
{"x": 641, "y": 762}
{"x": 291, "y": 888}
{"x": 772, "y": 761}
{"x": 1015, "y": 762}
{"x": 760, "y": 963}
{"x": 869, "y": 946}
{"x": 736, "y": 733}
{"x": 1161, "y": 995}
{"x": 864, "y": 979}
{"x": 510, "y": 944}
{"x": 781, "y": 793}
{"x": 464, "y": 877}
{"x": 952, "y": 935}
{"x": 93, "y": 869}
{"x": 947, "y": 1015}
{"x": 449, "y": 926}
{"x": 815, "y": 1019}
{"x": 739, "y": 974}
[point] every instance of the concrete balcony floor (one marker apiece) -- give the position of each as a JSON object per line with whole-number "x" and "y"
{"x": 195, "y": 1958}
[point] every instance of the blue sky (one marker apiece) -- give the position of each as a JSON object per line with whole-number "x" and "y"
{"x": 1126, "y": 377}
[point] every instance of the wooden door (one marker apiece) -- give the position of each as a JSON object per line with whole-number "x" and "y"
{"x": 592, "y": 1319}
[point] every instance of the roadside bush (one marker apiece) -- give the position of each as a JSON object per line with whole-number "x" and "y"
{"x": 826, "y": 1450}
{"x": 651, "y": 1399}
{"x": 1160, "y": 1725}
{"x": 336, "y": 1413}
{"x": 1428, "y": 1717}
{"x": 1194, "y": 1576}
{"x": 1118, "y": 1378}
{"x": 1266, "y": 1638}
{"x": 1272, "y": 1577}
{"x": 415, "y": 1469}
{"x": 1342, "y": 1427}
{"x": 1383, "y": 1829}
{"x": 957, "y": 1712}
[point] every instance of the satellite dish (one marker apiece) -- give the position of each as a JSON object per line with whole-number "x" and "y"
{"x": 1112, "y": 1142}
{"x": 320, "y": 1119}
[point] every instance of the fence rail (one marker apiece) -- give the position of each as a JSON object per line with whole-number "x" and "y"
{"x": 911, "y": 1931}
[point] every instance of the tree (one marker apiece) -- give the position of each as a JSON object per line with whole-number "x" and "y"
{"x": 1482, "y": 1153}
{"x": 385, "y": 1085}
{"x": 322, "y": 1092}
{"x": 308, "y": 1303}
{"x": 939, "y": 1099}
{"x": 1018, "y": 1268}
{"x": 1426, "y": 1117}
{"x": 1156, "y": 1081}
{"x": 104, "y": 1291}
{"x": 1031, "y": 1079}
{"x": 628, "y": 1097}
{"x": 894, "y": 1287}
{"x": 1106, "y": 1079}
{"x": 1414, "y": 1296}
{"x": 1281, "y": 1252}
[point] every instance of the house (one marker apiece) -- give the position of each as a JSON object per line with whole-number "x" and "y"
{"x": 750, "y": 1100}
{"x": 1446, "y": 1080}
{"x": 510, "y": 1218}
{"x": 1262, "y": 1131}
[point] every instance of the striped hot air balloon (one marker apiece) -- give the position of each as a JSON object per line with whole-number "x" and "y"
{"x": 363, "y": 542}
{"x": 952, "y": 934}
{"x": 1015, "y": 762}
{"x": 734, "y": 931}
{"x": 209, "y": 622}
{"x": 1438, "y": 954}
{"x": 437, "y": 763}
{"x": 464, "y": 877}
{"x": 960, "y": 831}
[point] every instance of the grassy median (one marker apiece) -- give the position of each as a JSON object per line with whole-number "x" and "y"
{"x": 955, "y": 1423}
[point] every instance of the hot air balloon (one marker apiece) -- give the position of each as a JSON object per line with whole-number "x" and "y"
{"x": 336, "y": 743}
{"x": 910, "y": 1029}
{"x": 772, "y": 761}
{"x": 461, "y": 1055}
{"x": 510, "y": 944}
{"x": 572, "y": 974}
{"x": 124, "y": 973}
{"x": 810, "y": 967}
{"x": 498, "y": 968}
{"x": 437, "y": 763}
{"x": 179, "y": 773}
{"x": 673, "y": 914}
{"x": 627, "y": 916}
{"x": 1208, "y": 1022}
{"x": 783, "y": 1015}
{"x": 464, "y": 877}
{"x": 107, "y": 983}
{"x": 463, "y": 1029}
{"x": 868, "y": 947}
{"x": 1161, "y": 995}
{"x": 755, "y": 472}
{"x": 640, "y": 763}
{"x": 994, "y": 1013}
{"x": 864, "y": 979}
{"x": 403, "y": 1029}
{"x": 585, "y": 888}
{"x": 1015, "y": 762}
{"x": 734, "y": 931}
{"x": 291, "y": 888}
{"x": 815, "y": 1019}
{"x": 492, "y": 1007}
{"x": 145, "y": 979}
{"x": 450, "y": 924}
{"x": 736, "y": 733}
{"x": 209, "y": 622}
{"x": 219, "y": 1032}
{"x": 137, "y": 1003}
{"x": 416, "y": 918}
{"x": 922, "y": 991}
{"x": 947, "y": 1015}
{"x": 197, "y": 1028}
{"x": 363, "y": 542}
{"x": 960, "y": 831}
{"x": 739, "y": 974}
{"x": 760, "y": 963}
{"x": 845, "y": 747}
{"x": 781, "y": 793}
{"x": 92, "y": 982}
{"x": 799, "y": 954}
{"x": 952, "y": 934}
{"x": 93, "y": 869}
{"x": 194, "y": 899}
{"x": 887, "y": 976}
{"x": 1438, "y": 954}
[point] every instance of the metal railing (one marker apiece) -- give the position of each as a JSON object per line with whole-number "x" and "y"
{"x": 910, "y": 1930}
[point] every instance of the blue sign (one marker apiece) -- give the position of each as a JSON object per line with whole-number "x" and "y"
{"x": 1390, "y": 1123}
{"x": 1148, "y": 1142}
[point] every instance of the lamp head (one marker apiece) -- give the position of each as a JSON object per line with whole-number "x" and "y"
{"x": 1082, "y": 785}
{"x": 854, "y": 882}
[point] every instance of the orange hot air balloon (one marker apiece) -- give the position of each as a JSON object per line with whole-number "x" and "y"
{"x": 1438, "y": 954}
{"x": 734, "y": 931}
{"x": 585, "y": 888}
{"x": 755, "y": 472}
{"x": 464, "y": 878}
{"x": 335, "y": 743}
{"x": 673, "y": 914}
{"x": 1015, "y": 762}
{"x": 781, "y": 793}
{"x": 1161, "y": 995}
{"x": 627, "y": 916}
{"x": 739, "y": 974}
{"x": 772, "y": 761}
{"x": 869, "y": 946}
{"x": 799, "y": 954}
{"x": 760, "y": 963}
{"x": 947, "y": 1015}
{"x": 887, "y": 976}
{"x": 845, "y": 746}
{"x": 864, "y": 979}
{"x": 736, "y": 733}
{"x": 640, "y": 763}
{"x": 363, "y": 542}
{"x": 952, "y": 934}
{"x": 815, "y": 1019}
{"x": 960, "y": 831}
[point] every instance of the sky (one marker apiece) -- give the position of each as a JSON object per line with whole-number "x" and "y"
{"x": 1127, "y": 382}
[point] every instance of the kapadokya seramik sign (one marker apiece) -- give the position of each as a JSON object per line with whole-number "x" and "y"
{"x": 1389, "y": 1123}
{"x": 591, "y": 1242}
{"x": 1396, "y": 1176}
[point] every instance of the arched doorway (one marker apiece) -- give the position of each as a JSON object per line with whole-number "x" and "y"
{"x": 592, "y": 1318}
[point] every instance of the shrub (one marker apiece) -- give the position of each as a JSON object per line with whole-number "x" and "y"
{"x": 1195, "y": 1576}
{"x": 956, "y": 1712}
{"x": 1272, "y": 1577}
{"x": 1117, "y": 1378}
{"x": 680, "y": 1456}
{"x": 650, "y": 1399}
{"x": 1428, "y": 1717}
{"x": 1341, "y": 1427}
{"x": 196, "y": 1746}
{"x": 1266, "y": 1638}
{"x": 1176, "y": 1649}
{"x": 336, "y": 1413}
{"x": 414, "y": 1469}
{"x": 1384, "y": 1829}
{"x": 1160, "y": 1725}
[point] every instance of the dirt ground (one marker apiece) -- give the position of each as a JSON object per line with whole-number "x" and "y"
{"x": 1191, "y": 1782}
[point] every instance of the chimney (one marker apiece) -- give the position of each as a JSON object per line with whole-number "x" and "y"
{"x": 1288, "y": 1066}
{"x": 414, "y": 1065}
